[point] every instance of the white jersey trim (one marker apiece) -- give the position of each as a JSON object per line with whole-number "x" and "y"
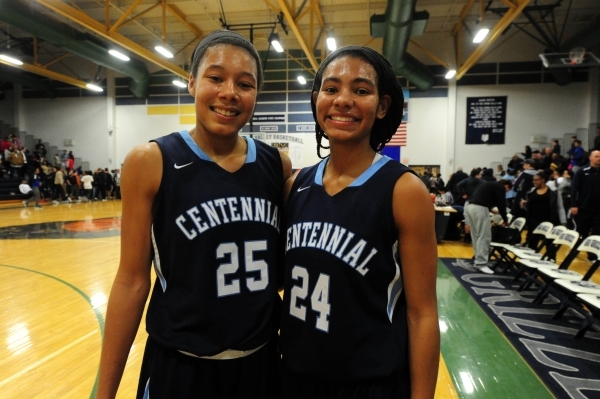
{"x": 396, "y": 286}
{"x": 157, "y": 268}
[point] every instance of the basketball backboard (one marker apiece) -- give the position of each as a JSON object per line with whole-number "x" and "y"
{"x": 563, "y": 60}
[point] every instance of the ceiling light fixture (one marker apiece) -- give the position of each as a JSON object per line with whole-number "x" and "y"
{"x": 10, "y": 60}
{"x": 162, "y": 50}
{"x": 93, "y": 87}
{"x": 119, "y": 55}
{"x": 450, "y": 74}
{"x": 481, "y": 35}
{"x": 301, "y": 80}
{"x": 274, "y": 39}
{"x": 179, "y": 83}
{"x": 331, "y": 44}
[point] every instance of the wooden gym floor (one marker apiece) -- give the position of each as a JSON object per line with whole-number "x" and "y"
{"x": 56, "y": 270}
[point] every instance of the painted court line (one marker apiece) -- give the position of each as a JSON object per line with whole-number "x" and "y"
{"x": 52, "y": 355}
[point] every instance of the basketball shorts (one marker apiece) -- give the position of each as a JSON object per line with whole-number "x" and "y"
{"x": 298, "y": 386}
{"x": 169, "y": 374}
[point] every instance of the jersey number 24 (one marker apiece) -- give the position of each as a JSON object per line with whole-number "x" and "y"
{"x": 319, "y": 300}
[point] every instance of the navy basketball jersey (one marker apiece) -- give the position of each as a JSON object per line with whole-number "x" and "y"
{"x": 344, "y": 310}
{"x": 214, "y": 235}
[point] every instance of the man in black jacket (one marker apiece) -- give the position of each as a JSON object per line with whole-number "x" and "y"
{"x": 489, "y": 195}
{"x": 585, "y": 197}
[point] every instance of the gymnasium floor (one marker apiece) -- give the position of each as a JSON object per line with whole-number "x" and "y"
{"x": 56, "y": 270}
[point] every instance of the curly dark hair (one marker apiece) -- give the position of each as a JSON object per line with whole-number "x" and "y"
{"x": 387, "y": 84}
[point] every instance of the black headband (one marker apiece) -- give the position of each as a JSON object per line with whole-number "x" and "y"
{"x": 217, "y": 35}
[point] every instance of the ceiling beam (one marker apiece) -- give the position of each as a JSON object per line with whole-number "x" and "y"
{"x": 299, "y": 36}
{"x": 99, "y": 28}
{"x": 495, "y": 33}
{"x": 47, "y": 73}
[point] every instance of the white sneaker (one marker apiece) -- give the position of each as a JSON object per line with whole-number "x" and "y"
{"x": 485, "y": 270}
{"x": 55, "y": 202}
{"x": 69, "y": 199}
{"x": 25, "y": 204}
{"x": 38, "y": 208}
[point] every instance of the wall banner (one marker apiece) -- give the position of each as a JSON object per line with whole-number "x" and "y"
{"x": 486, "y": 120}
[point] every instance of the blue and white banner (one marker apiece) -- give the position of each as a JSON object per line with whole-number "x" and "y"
{"x": 486, "y": 120}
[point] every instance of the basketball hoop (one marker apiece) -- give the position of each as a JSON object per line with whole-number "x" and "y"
{"x": 577, "y": 55}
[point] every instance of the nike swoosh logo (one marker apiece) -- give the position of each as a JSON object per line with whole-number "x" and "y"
{"x": 303, "y": 188}
{"x": 181, "y": 166}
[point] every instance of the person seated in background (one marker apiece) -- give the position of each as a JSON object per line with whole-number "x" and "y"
{"x": 515, "y": 162}
{"x": 487, "y": 174}
{"x": 538, "y": 158}
{"x": 500, "y": 172}
{"x": 444, "y": 197}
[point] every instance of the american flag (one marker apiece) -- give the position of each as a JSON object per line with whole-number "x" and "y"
{"x": 399, "y": 139}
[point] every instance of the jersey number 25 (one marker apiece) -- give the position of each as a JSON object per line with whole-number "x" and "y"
{"x": 251, "y": 265}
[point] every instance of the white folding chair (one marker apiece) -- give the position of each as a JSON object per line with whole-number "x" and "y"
{"x": 534, "y": 267}
{"x": 511, "y": 255}
{"x": 592, "y": 303}
{"x": 570, "y": 288}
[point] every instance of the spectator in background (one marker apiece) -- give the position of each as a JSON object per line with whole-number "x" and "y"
{"x": 5, "y": 145}
{"x": 528, "y": 153}
{"x": 522, "y": 185}
{"x": 453, "y": 181}
{"x": 36, "y": 182}
{"x": 500, "y": 172}
{"x": 59, "y": 187}
{"x": 109, "y": 183}
{"x": 585, "y": 197}
{"x": 577, "y": 156}
{"x": 16, "y": 142}
{"x": 74, "y": 184}
{"x": 487, "y": 174}
{"x": 45, "y": 167}
{"x": 538, "y": 159}
{"x": 467, "y": 187}
{"x": 547, "y": 158}
{"x": 16, "y": 160}
{"x": 57, "y": 160}
{"x": 555, "y": 147}
{"x": 515, "y": 163}
{"x": 542, "y": 205}
{"x": 444, "y": 197}
{"x": 70, "y": 161}
{"x": 597, "y": 139}
{"x": 86, "y": 181}
{"x": 117, "y": 184}
{"x": 100, "y": 180}
{"x": 64, "y": 157}
{"x": 40, "y": 150}
{"x": 477, "y": 215}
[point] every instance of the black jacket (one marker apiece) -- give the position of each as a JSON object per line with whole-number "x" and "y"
{"x": 585, "y": 189}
